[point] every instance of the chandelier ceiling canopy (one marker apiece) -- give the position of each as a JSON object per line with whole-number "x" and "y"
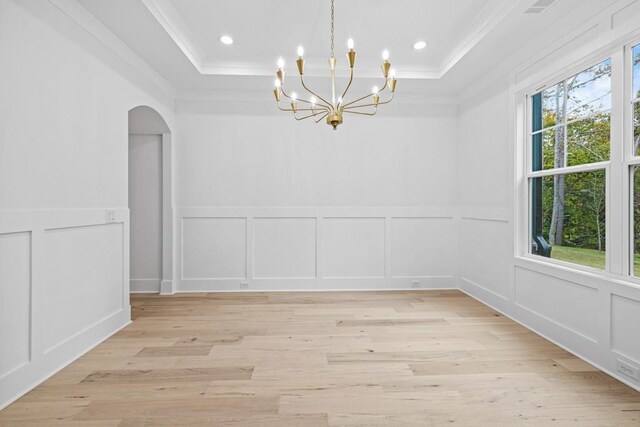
{"x": 318, "y": 107}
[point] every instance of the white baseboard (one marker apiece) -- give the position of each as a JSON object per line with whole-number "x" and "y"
{"x": 480, "y": 294}
{"x": 166, "y": 287}
{"x": 316, "y": 284}
{"x": 144, "y": 286}
{"x": 20, "y": 381}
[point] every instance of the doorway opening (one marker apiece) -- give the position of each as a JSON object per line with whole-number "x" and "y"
{"x": 150, "y": 206}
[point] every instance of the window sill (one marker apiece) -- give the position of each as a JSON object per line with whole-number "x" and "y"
{"x": 592, "y": 277}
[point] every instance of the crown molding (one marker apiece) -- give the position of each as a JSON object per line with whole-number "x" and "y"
{"x": 488, "y": 19}
{"x": 85, "y": 20}
{"x": 170, "y": 20}
{"x": 565, "y": 45}
{"x": 481, "y": 25}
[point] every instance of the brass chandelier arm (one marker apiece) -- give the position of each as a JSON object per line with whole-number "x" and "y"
{"x": 307, "y": 116}
{"x": 366, "y": 96}
{"x": 349, "y": 84}
{"x": 328, "y": 104}
{"x": 300, "y": 109}
{"x": 345, "y": 109}
{"x": 322, "y": 109}
{"x": 362, "y": 113}
{"x": 287, "y": 96}
{"x": 322, "y": 117}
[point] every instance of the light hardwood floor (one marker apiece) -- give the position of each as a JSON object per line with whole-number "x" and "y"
{"x": 424, "y": 358}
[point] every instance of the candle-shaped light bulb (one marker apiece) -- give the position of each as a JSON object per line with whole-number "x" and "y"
{"x": 313, "y": 100}
{"x": 392, "y": 73}
{"x": 280, "y": 63}
{"x": 294, "y": 96}
{"x": 277, "y": 83}
{"x": 339, "y": 100}
{"x": 385, "y": 55}
{"x": 300, "y": 51}
{"x": 350, "y": 44}
{"x": 375, "y": 90}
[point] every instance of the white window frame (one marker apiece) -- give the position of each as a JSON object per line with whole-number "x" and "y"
{"x": 629, "y": 159}
{"x": 530, "y": 174}
{"x": 619, "y": 203}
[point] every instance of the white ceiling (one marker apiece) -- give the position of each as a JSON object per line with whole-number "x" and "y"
{"x": 266, "y": 29}
{"x": 466, "y": 38}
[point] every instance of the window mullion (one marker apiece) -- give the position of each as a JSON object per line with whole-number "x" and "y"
{"x": 569, "y": 169}
{"x": 617, "y": 249}
{"x": 565, "y": 101}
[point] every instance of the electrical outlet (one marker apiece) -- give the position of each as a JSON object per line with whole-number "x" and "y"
{"x": 415, "y": 284}
{"x": 111, "y": 216}
{"x": 627, "y": 369}
{"x": 244, "y": 285}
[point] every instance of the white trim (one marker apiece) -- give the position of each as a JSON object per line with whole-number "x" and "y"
{"x": 30, "y": 375}
{"x": 619, "y": 249}
{"x": 557, "y": 263}
{"x": 44, "y": 362}
{"x": 315, "y": 284}
{"x": 572, "y": 121}
{"x": 78, "y": 14}
{"x": 615, "y": 180}
{"x": 576, "y": 353}
{"x": 144, "y": 286}
{"x": 500, "y": 12}
{"x": 166, "y": 287}
{"x": 382, "y": 278}
{"x": 569, "y": 169}
{"x": 168, "y": 233}
{"x": 170, "y": 20}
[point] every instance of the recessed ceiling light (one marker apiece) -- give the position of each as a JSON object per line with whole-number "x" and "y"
{"x": 226, "y": 40}
{"x": 420, "y": 45}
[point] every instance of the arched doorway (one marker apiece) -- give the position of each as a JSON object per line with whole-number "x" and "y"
{"x": 150, "y": 203}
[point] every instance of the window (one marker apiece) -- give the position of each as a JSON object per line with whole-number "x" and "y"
{"x": 635, "y": 182}
{"x": 635, "y": 166}
{"x": 570, "y": 152}
{"x": 636, "y": 98}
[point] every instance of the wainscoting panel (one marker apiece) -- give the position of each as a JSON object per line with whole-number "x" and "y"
{"x": 214, "y": 248}
{"x": 64, "y": 288}
{"x": 422, "y": 247}
{"x": 595, "y": 318}
{"x": 84, "y": 268}
{"x": 625, "y": 327}
{"x": 231, "y": 249}
{"x": 354, "y": 247}
{"x": 284, "y": 248}
{"x": 567, "y": 304}
{"x": 484, "y": 254}
{"x": 15, "y": 301}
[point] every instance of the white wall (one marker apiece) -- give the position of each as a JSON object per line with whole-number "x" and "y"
{"x": 285, "y": 205}
{"x": 262, "y": 202}
{"x": 64, "y": 270}
{"x": 145, "y": 212}
{"x": 594, "y": 317}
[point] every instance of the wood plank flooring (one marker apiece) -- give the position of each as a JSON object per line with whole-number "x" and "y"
{"x": 423, "y": 358}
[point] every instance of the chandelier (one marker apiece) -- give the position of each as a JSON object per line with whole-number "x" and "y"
{"x": 319, "y": 108}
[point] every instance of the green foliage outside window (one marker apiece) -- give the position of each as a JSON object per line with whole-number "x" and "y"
{"x": 575, "y": 129}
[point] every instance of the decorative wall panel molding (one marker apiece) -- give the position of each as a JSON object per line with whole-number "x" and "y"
{"x": 315, "y": 248}
{"x": 625, "y": 322}
{"x": 64, "y": 288}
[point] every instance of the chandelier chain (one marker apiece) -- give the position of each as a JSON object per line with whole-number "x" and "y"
{"x": 332, "y": 19}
